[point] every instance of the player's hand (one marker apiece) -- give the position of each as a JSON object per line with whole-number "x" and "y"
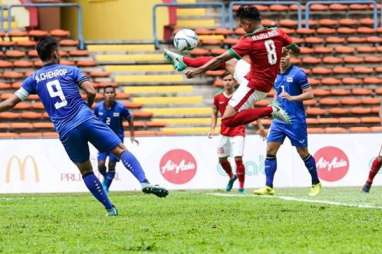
{"x": 263, "y": 133}
{"x": 134, "y": 141}
{"x": 211, "y": 133}
{"x": 190, "y": 73}
{"x": 286, "y": 95}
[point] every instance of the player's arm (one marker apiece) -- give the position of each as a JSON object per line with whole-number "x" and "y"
{"x": 130, "y": 120}
{"x": 380, "y": 112}
{"x": 90, "y": 91}
{"x": 306, "y": 94}
{"x": 9, "y": 103}
{"x": 261, "y": 129}
{"x": 27, "y": 87}
{"x": 210, "y": 65}
{"x": 214, "y": 120}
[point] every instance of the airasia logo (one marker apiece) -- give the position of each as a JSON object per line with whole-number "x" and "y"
{"x": 178, "y": 166}
{"x": 332, "y": 163}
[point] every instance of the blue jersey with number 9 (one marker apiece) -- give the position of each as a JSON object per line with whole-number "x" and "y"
{"x": 58, "y": 88}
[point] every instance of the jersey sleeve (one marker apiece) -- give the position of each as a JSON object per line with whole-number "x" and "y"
{"x": 78, "y": 76}
{"x": 27, "y": 87}
{"x": 302, "y": 80}
{"x": 286, "y": 40}
{"x": 125, "y": 113}
{"x": 241, "y": 48}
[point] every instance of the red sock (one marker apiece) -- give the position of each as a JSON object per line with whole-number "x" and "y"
{"x": 375, "y": 166}
{"x": 247, "y": 116}
{"x": 240, "y": 172}
{"x": 226, "y": 166}
{"x": 199, "y": 61}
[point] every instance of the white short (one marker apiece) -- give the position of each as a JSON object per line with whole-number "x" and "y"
{"x": 230, "y": 146}
{"x": 244, "y": 97}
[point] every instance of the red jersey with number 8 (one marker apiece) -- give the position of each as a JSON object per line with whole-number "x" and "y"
{"x": 265, "y": 49}
{"x": 221, "y": 102}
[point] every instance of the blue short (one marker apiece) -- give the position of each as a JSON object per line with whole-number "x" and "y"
{"x": 296, "y": 132}
{"x": 94, "y": 131}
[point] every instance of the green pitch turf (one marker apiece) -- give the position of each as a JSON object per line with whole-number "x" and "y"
{"x": 194, "y": 222}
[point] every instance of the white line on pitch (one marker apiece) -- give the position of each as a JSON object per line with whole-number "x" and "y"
{"x": 289, "y": 198}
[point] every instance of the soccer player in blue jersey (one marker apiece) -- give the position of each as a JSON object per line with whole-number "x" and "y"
{"x": 292, "y": 88}
{"x": 112, "y": 113}
{"x": 58, "y": 87}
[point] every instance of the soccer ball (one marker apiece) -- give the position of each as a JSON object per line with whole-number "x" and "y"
{"x": 185, "y": 39}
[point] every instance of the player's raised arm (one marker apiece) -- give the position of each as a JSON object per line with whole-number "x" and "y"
{"x": 9, "y": 103}
{"x": 90, "y": 91}
{"x": 210, "y": 65}
{"x": 214, "y": 119}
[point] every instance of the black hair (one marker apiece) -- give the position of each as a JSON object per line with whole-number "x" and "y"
{"x": 109, "y": 86}
{"x": 45, "y": 47}
{"x": 248, "y": 12}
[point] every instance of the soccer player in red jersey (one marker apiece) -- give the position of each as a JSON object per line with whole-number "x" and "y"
{"x": 375, "y": 166}
{"x": 264, "y": 46}
{"x": 231, "y": 138}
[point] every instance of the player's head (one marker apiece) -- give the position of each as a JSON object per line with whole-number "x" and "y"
{"x": 229, "y": 82}
{"x": 285, "y": 59}
{"x": 249, "y": 18}
{"x": 47, "y": 49}
{"x": 109, "y": 94}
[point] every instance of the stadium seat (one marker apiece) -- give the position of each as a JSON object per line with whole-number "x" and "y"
{"x": 350, "y": 101}
{"x": 339, "y": 111}
{"x": 362, "y": 91}
{"x": 351, "y": 81}
{"x": 323, "y": 50}
{"x": 360, "y": 110}
{"x": 342, "y": 70}
{"x": 340, "y": 92}
{"x": 346, "y": 30}
{"x": 325, "y": 31}
{"x": 356, "y": 39}
{"x": 365, "y": 49}
{"x": 330, "y": 81}
{"x": 335, "y": 130}
{"x": 344, "y": 50}
{"x": 348, "y": 22}
{"x": 332, "y": 60}
{"x": 363, "y": 70}
{"x": 370, "y": 101}
{"x": 321, "y": 92}
{"x": 360, "y": 129}
{"x": 372, "y": 120}
{"x": 335, "y": 39}
{"x": 328, "y": 101}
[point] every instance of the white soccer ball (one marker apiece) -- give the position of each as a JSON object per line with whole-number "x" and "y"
{"x": 185, "y": 39}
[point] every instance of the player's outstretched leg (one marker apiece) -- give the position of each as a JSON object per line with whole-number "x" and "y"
{"x": 132, "y": 164}
{"x": 224, "y": 163}
{"x": 375, "y": 166}
{"x": 270, "y": 166}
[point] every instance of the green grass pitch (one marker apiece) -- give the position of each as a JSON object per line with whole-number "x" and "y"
{"x": 194, "y": 222}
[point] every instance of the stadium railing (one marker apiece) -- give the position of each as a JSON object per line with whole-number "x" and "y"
{"x": 374, "y": 3}
{"x": 233, "y": 3}
{"x": 185, "y": 6}
{"x": 80, "y": 36}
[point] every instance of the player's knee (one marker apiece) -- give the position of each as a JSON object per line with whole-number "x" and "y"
{"x": 102, "y": 168}
{"x": 303, "y": 152}
{"x": 239, "y": 159}
{"x": 223, "y": 159}
{"x": 118, "y": 150}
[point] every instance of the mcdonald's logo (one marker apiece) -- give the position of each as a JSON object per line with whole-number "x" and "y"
{"x": 21, "y": 164}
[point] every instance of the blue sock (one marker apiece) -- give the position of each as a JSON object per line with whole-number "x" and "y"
{"x": 270, "y": 169}
{"x": 95, "y": 187}
{"x": 132, "y": 164}
{"x": 310, "y": 164}
{"x": 109, "y": 176}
